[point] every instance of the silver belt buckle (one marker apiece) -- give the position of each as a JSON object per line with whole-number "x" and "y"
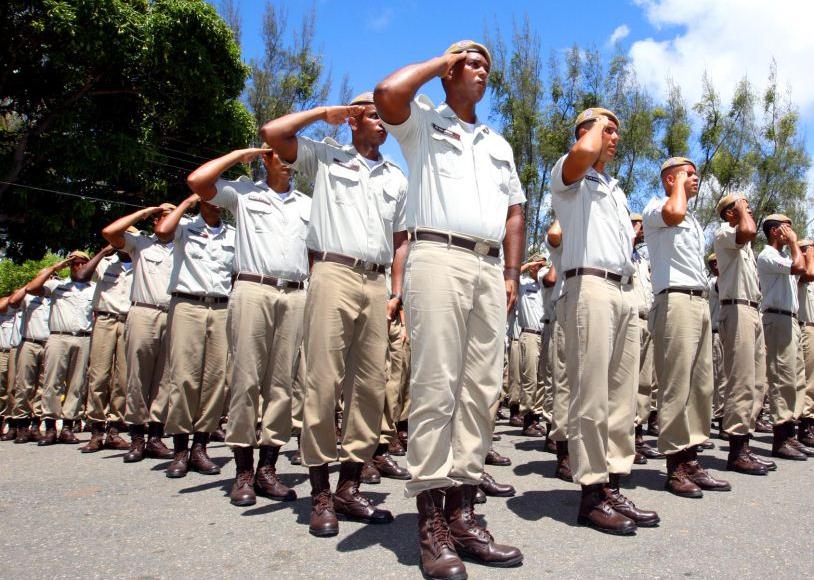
{"x": 625, "y": 280}
{"x": 209, "y": 299}
{"x": 482, "y": 248}
{"x": 280, "y": 283}
{"x": 369, "y": 266}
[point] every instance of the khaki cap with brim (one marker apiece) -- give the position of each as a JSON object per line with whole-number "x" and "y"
{"x": 777, "y": 217}
{"x": 805, "y": 243}
{"x": 168, "y": 206}
{"x": 79, "y": 254}
{"x": 365, "y": 98}
{"x": 636, "y": 217}
{"x": 726, "y": 201}
{"x": 712, "y": 257}
{"x": 676, "y": 162}
{"x": 470, "y": 46}
{"x": 536, "y": 257}
{"x": 593, "y": 113}
{"x": 134, "y": 230}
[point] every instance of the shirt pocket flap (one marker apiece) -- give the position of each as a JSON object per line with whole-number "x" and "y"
{"x": 341, "y": 172}
{"x": 448, "y": 140}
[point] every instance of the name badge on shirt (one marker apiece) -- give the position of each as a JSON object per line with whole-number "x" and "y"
{"x": 260, "y": 198}
{"x": 347, "y": 164}
{"x": 447, "y": 132}
{"x": 201, "y": 233}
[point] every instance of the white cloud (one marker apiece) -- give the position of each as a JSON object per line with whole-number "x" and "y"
{"x": 619, "y": 33}
{"x": 729, "y": 39}
{"x": 379, "y": 22}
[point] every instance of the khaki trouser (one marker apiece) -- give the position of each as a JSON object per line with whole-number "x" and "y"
{"x": 719, "y": 379}
{"x": 345, "y": 346}
{"x": 6, "y": 382}
{"x": 807, "y": 342}
{"x": 455, "y": 303}
{"x": 644, "y": 398}
{"x": 545, "y": 378}
{"x": 398, "y": 382}
{"x": 744, "y": 366}
{"x": 66, "y": 359}
{"x": 559, "y": 377}
{"x": 107, "y": 371}
{"x": 682, "y": 355}
{"x": 782, "y": 335}
{"x": 602, "y": 361}
{"x": 514, "y": 371}
{"x": 265, "y": 330}
{"x": 28, "y": 380}
{"x": 145, "y": 345}
{"x": 196, "y": 355}
{"x": 531, "y": 395}
{"x": 298, "y": 390}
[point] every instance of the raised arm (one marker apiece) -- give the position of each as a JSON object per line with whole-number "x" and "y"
{"x": 3, "y": 304}
{"x": 114, "y": 233}
{"x": 35, "y": 286}
{"x": 746, "y": 230}
{"x": 202, "y": 181}
{"x": 395, "y": 93}
{"x": 85, "y": 272}
{"x": 281, "y": 134}
{"x": 675, "y": 208}
{"x": 550, "y": 277}
{"x": 16, "y": 297}
{"x": 585, "y": 152}
{"x": 165, "y": 230}
{"x": 798, "y": 263}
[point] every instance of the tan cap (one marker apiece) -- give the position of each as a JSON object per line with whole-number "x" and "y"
{"x": 79, "y": 254}
{"x": 712, "y": 257}
{"x": 676, "y": 162}
{"x": 805, "y": 243}
{"x": 636, "y": 217}
{"x": 167, "y": 207}
{"x": 134, "y": 230}
{"x": 777, "y": 217}
{"x": 470, "y": 46}
{"x": 365, "y": 98}
{"x": 594, "y": 112}
{"x": 726, "y": 201}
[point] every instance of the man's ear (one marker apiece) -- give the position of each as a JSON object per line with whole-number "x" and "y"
{"x": 353, "y": 123}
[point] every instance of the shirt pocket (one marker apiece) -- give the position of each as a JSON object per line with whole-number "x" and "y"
{"x": 195, "y": 247}
{"x": 447, "y": 155}
{"x": 259, "y": 214}
{"x": 388, "y": 199}
{"x": 500, "y": 167}
{"x": 344, "y": 183}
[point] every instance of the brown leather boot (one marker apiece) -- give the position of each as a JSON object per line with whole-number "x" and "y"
{"x": 199, "y": 460}
{"x": 23, "y": 431}
{"x": 323, "y": 515}
{"x": 781, "y": 447}
{"x": 767, "y": 463}
{"x": 50, "y": 437}
{"x": 739, "y": 459}
{"x": 763, "y": 426}
{"x": 678, "y": 481}
{"x": 701, "y": 477}
{"x": 242, "y": 493}
{"x": 387, "y": 466}
{"x": 495, "y": 458}
{"x": 470, "y": 538}
{"x": 805, "y": 432}
{"x": 296, "y": 457}
{"x": 66, "y": 435}
{"x": 596, "y": 510}
{"x": 439, "y": 560}
{"x": 370, "y": 475}
{"x": 401, "y": 427}
{"x": 563, "y": 468}
{"x": 794, "y": 442}
{"x": 653, "y": 424}
{"x": 530, "y": 426}
{"x": 137, "y": 444}
{"x": 480, "y": 497}
{"x": 35, "y": 429}
{"x": 220, "y": 434}
{"x": 515, "y": 419}
{"x": 642, "y": 518}
{"x": 266, "y": 481}
{"x": 352, "y": 504}
{"x": 489, "y": 486}
{"x": 114, "y": 440}
{"x": 550, "y": 445}
{"x": 180, "y": 463}
{"x": 644, "y": 448}
{"x": 97, "y": 435}
{"x": 395, "y": 448}
{"x": 11, "y": 433}
{"x": 155, "y": 447}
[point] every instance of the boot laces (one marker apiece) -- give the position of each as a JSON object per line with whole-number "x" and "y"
{"x": 322, "y": 501}
{"x": 440, "y": 529}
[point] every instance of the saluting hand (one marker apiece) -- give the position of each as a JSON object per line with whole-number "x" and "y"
{"x": 339, "y": 114}
{"x": 450, "y": 60}
{"x": 252, "y": 153}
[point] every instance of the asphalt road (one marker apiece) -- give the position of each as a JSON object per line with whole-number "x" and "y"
{"x": 69, "y": 515}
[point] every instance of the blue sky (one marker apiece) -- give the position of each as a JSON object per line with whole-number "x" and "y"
{"x": 680, "y": 38}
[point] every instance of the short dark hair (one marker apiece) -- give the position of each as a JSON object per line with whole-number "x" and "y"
{"x": 768, "y": 226}
{"x": 726, "y": 209}
{"x": 587, "y": 124}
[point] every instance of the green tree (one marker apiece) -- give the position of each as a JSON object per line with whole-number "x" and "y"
{"x": 117, "y": 100}
{"x": 14, "y": 276}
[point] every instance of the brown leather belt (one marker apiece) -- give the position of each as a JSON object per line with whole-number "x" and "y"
{"x": 5, "y": 350}
{"x": 782, "y": 312}
{"x": 269, "y": 280}
{"x": 806, "y": 323}
{"x": 688, "y": 291}
{"x": 148, "y": 305}
{"x": 350, "y": 262}
{"x": 79, "y": 333}
{"x": 481, "y": 248}
{"x": 35, "y": 341}
{"x": 740, "y": 301}
{"x": 113, "y": 315}
{"x": 714, "y": 331}
{"x": 598, "y": 272}
{"x": 204, "y": 299}
{"x": 537, "y": 332}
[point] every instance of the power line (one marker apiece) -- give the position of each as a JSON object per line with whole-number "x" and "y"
{"x": 78, "y": 195}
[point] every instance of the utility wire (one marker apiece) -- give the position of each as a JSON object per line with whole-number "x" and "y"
{"x": 78, "y": 195}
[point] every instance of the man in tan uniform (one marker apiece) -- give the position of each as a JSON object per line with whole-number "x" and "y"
{"x": 530, "y": 318}
{"x": 145, "y": 331}
{"x": 265, "y": 312}
{"x": 778, "y": 270}
{"x": 513, "y": 369}
{"x": 597, "y": 267}
{"x": 805, "y": 296}
{"x": 681, "y": 329}
{"x": 464, "y": 201}
{"x": 107, "y": 366}
{"x": 8, "y": 317}
{"x": 358, "y": 205}
{"x": 197, "y": 349}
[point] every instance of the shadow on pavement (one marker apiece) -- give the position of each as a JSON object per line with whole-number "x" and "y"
{"x": 541, "y": 468}
{"x": 556, "y": 504}
{"x": 531, "y": 445}
{"x": 400, "y": 537}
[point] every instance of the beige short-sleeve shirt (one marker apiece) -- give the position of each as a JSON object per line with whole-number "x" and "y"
{"x": 530, "y": 308}
{"x": 114, "y": 282}
{"x": 71, "y": 305}
{"x": 356, "y": 207}
{"x": 203, "y": 259}
{"x": 714, "y": 300}
{"x": 737, "y": 267}
{"x": 462, "y": 179}
{"x": 152, "y": 266}
{"x": 642, "y": 287}
{"x": 7, "y": 320}
{"x": 778, "y": 285}
{"x": 36, "y": 313}
{"x": 805, "y": 295}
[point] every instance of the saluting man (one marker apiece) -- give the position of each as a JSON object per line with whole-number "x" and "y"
{"x": 805, "y": 296}
{"x": 464, "y": 201}
{"x": 530, "y": 317}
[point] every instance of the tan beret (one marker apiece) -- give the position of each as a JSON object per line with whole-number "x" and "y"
{"x": 805, "y": 243}
{"x": 535, "y": 257}
{"x": 676, "y": 162}
{"x": 79, "y": 254}
{"x": 726, "y": 201}
{"x": 777, "y": 217}
{"x": 134, "y": 230}
{"x": 636, "y": 217}
{"x": 712, "y": 257}
{"x": 167, "y": 207}
{"x": 365, "y": 98}
{"x": 470, "y": 46}
{"x": 594, "y": 112}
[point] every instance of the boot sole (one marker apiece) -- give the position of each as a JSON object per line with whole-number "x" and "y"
{"x": 89, "y": 450}
{"x": 291, "y": 497}
{"x": 749, "y": 471}
{"x": 399, "y": 477}
{"x": 126, "y": 460}
{"x": 369, "y": 521}
{"x": 583, "y": 521}
{"x": 505, "y": 564}
{"x": 499, "y": 464}
{"x": 506, "y": 494}
{"x": 323, "y": 533}
{"x": 459, "y": 576}
{"x": 689, "y": 495}
{"x": 801, "y": 458}
{"x": 243, "y": 502}
{"x": 215, "y": 471}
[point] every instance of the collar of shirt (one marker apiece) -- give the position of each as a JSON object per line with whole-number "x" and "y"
{"x": 274, "y": 196}
{"x": 478, "y": 128}
{"x": 364, "y": 162}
